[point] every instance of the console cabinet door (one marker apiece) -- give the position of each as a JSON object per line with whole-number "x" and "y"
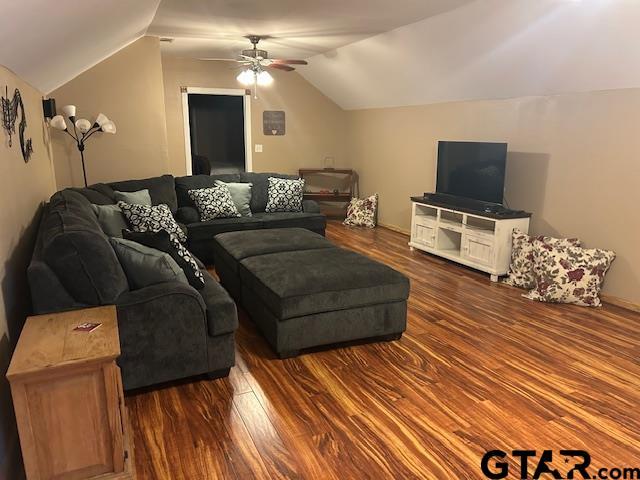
{"x": 425, "y": 234}
{"x": 478, "y": 249}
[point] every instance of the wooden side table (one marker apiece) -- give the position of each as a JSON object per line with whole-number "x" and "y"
{"x": 68, "y": 399}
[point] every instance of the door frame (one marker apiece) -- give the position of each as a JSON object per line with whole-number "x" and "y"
{"x": 246, "y": 102}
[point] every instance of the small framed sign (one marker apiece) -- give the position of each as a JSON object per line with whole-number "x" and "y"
{"x": 273, "y": 122}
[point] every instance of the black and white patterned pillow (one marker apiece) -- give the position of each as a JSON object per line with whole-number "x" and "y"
{"x": 284, "y": 195}
{"x": 188, "y": 258}
{"x": 147, "y": 218}
{"x": 214, "y": 202}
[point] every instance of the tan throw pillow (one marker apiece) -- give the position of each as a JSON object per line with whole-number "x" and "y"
{"x": 362, "y": 212}
{"x": 570, "y": 275}
{"x": 523, "y": 247}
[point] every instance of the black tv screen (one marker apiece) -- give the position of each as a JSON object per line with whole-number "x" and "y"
{"x": 472, "y": 170}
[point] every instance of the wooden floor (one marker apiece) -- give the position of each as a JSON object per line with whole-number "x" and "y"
{"x": 478, "y": 368}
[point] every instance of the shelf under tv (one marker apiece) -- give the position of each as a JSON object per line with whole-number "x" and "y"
{"x": 476, "y": 239}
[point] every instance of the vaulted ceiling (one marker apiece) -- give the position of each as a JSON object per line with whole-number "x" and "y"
{"x": 297, "y": 28}
{"x": 488, "y": 49}
{"x": 362, "y": 53}
{"x": 48, "y": 43}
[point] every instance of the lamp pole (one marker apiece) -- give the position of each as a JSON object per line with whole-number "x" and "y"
{"x": 82, "y": 130}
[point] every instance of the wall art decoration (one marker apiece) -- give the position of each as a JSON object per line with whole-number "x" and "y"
{"x": 273, "y": 122}
{"x": 10, "y": 109}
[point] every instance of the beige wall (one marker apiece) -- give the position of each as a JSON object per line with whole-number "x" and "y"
{"x": 314, "y": 124}
{"x": 573, "y": 162}
{"x": 23, "y": 187}
{"x": 127, "y": 87}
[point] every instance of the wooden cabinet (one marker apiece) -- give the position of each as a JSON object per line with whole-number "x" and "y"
{"x": 332, "y": 188}
{"x": 68, "y": 399}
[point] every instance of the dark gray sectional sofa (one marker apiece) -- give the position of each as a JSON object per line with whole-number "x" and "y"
{"x": 170, "y": 330}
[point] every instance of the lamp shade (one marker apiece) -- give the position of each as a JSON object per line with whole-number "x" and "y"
{"x": 264, "y": 78}
{"x": 246, "y": 77}
{"x": 101, "y": 119}
{"x": 69, "y": 111}
{"x": 83, "y": 125}
{"x": 109, "y": 127}
{"x": 58, "y": 122}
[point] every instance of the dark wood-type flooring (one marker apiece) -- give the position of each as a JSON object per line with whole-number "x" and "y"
{"x": 478, "y": 368}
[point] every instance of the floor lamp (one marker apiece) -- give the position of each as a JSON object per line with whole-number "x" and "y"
{"x": 82, "y": 129}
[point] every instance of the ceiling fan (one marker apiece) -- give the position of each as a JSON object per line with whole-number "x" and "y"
{"x": 255, "y": 63}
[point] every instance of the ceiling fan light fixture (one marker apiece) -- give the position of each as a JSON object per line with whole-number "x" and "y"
{"x": 264, "y": 78}
{"x": 246, "y": 77}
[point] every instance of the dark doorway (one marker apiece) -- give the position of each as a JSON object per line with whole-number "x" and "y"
{"x": 216, "y": 123}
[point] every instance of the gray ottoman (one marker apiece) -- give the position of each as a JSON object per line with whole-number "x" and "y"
{"x": 232, "y": 247}
{"x": 302, "y": 291}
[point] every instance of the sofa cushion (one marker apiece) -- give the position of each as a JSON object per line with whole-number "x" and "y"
{"x": 241, "y": 195}
{"x": 259, "y": 191}
{"x": 187, "y": 215}
{"x": 214, "y": 202}
{"x": 208, "y": 230}
{"x": 232, "y": 247}
{"x": 170, "y": 244}
{"x": 145, "y": 266}
{"x": 311, "y": 221}
{"x": 293, "y": 284}
{"x": 221, "y": 309}
{"x": 162, "y": 189}
{"x": 284, "y": 195}
{"x": 194, "y": 182}
{"x": 77, "y": 250}
{"x": 145, "y": 218}
{"x": 140, "y": 197}
{"x": 98, "y": 194}
{"x": 111, "y": 219}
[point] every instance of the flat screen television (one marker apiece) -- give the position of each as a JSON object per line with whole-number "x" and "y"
{"x": 472, "y": 170}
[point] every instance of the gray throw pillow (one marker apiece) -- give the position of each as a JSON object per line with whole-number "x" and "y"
{"x": 111, "y": 219}
{"x": 140, "y": 197}
{"x": 146, "y": 266}
{"x": 240, "y": 194}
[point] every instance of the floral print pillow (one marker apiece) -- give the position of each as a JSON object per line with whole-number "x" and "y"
{"x": 570, "y": 275}
{"x": 362, "y": 212}
{"x": 523, "y": 247}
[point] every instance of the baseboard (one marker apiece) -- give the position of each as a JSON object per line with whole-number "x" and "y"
{"x": 620, "y": 302}
{"x": 610, "y": 299}
{"x": 395, "y": 228}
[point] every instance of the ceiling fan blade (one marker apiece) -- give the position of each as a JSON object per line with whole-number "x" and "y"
{"x": 279, "y": 66}
{"x": 290, "y": 62}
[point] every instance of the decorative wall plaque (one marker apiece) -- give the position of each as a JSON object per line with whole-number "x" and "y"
{"x": 10, "y": 108}
{"x": 273, "y": 122}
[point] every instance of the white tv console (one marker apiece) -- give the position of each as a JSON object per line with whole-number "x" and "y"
{"x": 474, "y": 239}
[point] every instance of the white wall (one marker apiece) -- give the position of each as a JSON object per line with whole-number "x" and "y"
{"x": 488, "y": 49}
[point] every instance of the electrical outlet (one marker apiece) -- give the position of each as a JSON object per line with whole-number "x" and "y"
{"x": 258, "y": 148}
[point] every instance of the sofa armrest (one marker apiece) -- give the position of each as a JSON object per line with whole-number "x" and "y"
{"x": 310, "y": 206}
{"x": 187, "y": 215}
{"x": 163, "y": 334}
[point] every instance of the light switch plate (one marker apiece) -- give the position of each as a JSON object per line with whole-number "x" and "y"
{"x": 258, "y": 148}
